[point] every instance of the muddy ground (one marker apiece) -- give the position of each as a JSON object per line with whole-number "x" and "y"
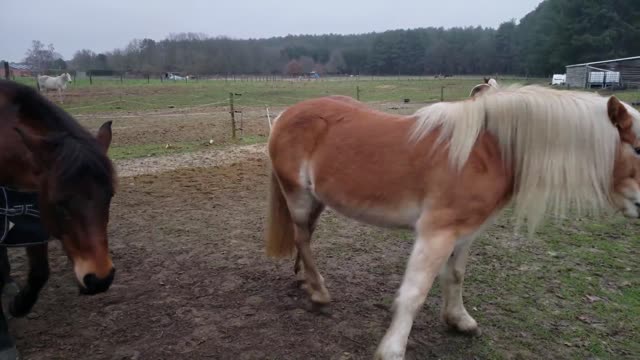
{"x": 193, "y": 282}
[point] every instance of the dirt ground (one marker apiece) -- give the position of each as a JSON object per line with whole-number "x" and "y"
{"x": 169, "y": 127}
{"x": 195, "y": 125}
{"x": 193, "y": 282}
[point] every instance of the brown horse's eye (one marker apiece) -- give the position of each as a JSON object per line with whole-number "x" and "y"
{"x": 637, "y": 150}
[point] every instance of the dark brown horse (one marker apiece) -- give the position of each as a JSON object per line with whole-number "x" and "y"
{"x": 44, "y": 150}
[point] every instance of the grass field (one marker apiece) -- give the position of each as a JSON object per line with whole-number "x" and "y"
{"x": 196, "y": 102}
{"x": 137, "y": 95}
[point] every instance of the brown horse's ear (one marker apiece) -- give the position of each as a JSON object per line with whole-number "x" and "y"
{"x": 621, "y": 119}
{"x": 486, "y": 80}
{"x": 104, "y": 135}
{"x": 37, "y": 145}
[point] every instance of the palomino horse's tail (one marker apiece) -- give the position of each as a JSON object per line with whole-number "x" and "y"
{"x": 280, "y": 235}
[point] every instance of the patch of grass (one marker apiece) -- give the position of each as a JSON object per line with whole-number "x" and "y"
{"x": 571, "y": 292}
{"x": 149, "y": 150}
{"x": 253, "y": 139}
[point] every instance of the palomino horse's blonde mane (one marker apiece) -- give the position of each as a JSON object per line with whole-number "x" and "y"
{"x": 561, "y": 144}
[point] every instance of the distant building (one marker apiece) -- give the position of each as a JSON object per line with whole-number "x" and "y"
{"x": 20, "y": 70}
{"x": 624, "y": 72}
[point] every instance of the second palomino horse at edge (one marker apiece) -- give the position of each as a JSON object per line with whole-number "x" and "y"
{"x": 489, "y": 84}
{"x": 446, "y": 172}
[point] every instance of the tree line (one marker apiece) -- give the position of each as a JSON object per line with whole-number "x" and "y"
{"x": 555, "y": 34}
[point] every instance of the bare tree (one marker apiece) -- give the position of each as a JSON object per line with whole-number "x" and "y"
{"x": 39, "y": 57}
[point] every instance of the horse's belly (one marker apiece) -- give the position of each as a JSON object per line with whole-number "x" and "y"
{"x": 402, "y": 215}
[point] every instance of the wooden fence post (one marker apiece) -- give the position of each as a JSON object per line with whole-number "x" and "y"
{"x": 121, "y": 75}
{"x": 358, "y": 93}
{"x": 148, "y": 79}
{"x": 7, "y": 73}
{"x": 90, "y": 79}
{"x": 232, "y": 111}
{"x": 442, "y": 93}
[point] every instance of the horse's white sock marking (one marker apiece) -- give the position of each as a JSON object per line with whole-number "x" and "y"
{"x": 427, "y": 257}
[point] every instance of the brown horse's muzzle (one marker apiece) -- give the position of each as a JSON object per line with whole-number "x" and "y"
{"x": 95, "y": 285}
{"x": 94, "y": 276}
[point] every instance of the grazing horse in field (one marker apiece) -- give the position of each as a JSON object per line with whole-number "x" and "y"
{"x": 46, "y": 155}
{"x": 489, "y": 84}
{"x": 446, "y": 172}
{"x": 54, "y": 83}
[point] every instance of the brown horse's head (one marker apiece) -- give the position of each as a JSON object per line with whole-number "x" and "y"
{"x": 626, "y": 177}
{"x": 77, "y": 184}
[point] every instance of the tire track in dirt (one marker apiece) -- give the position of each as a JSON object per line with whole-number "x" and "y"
{"x": 201, "y": 159}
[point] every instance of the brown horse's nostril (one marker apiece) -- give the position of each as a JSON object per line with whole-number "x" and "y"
{"x": 95, "y": 285}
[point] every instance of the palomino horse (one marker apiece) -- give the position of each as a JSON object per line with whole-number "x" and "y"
{"x": 44, "y": 150}
{"x": 54, "y": 83}
{"x": 489, "y": 84}
{"x": 446, "y": 172}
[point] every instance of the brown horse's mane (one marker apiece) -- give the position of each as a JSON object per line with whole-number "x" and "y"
{"x": 76, "y": 151}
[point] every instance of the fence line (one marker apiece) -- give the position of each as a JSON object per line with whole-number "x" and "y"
{"x": 174, "y": 111}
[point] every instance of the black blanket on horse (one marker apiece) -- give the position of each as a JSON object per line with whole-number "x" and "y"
{"x": 20, "y": 223}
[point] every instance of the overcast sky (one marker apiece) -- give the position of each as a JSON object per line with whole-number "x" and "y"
{"x": 71, "y": 25}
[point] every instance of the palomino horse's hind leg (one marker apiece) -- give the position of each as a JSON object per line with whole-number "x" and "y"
{"x": 430, "y": 251}
{"x": 454, "y": 313}
{"x": 313, "y": 221}
{"x": 305, "y": 210}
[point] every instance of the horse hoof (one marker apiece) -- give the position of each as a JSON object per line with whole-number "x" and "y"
{"x": 18, "y": 311}
{"x": 320, "y": 308}
{"x": 472, "y": 331}
{"x": 9, "y": 354}
{"x": 10, "y": 289}
{"x": 299, "y": 284}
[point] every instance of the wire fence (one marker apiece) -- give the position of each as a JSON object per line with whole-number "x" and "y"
{"x": 239, "y": 109}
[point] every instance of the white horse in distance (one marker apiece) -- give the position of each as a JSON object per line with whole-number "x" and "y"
{"x": 54, "y": 83}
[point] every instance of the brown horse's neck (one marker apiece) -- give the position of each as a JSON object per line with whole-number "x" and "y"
{"x": 20, "y": 169}
{"x": 23, "y": 172}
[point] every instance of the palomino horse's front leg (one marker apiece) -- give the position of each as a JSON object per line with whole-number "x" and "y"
{"x": 38, "y": 276}
{"x": 454, "y": 313}
{"x": 430, "y": 252}
{"x": 8, "y": 349}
